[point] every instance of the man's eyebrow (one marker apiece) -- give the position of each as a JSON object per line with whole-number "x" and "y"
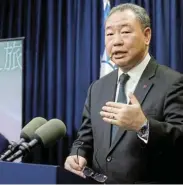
{"x": 120, "y": 26}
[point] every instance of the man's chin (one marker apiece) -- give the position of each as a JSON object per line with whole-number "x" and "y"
{"x": 121, "y": 62}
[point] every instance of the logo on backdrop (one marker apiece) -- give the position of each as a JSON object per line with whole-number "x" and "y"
{"x": 107, "y": 65}
{"x": 13, "y": 56}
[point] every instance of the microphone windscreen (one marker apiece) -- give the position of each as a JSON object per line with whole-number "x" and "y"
{"x": 50, "y": 132}
{"x": 29, "y": 129}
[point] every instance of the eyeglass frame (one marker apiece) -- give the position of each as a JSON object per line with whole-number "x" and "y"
{"x": 94, "y": 174}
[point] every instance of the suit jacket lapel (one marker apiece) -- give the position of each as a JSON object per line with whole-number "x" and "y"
{"x": 109, "y": 95}
{"x": 145, "y": 82}
{"x": 141, "y": 91}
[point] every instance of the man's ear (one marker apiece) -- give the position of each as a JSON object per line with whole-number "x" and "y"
{"x": 147, "y": 35}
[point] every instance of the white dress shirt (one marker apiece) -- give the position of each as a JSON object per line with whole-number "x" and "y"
{"x": 135, "y": 75}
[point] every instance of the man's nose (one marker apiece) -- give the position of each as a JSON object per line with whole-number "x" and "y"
{"x": 118, "y": 40}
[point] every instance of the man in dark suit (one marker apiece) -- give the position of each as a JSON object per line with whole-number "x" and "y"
{"x": 132, "y": 126}
{"x": 3, "y": 143}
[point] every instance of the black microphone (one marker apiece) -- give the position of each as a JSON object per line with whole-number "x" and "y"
{"x": 25, "y": 135}
{"x": 46, "y": 135}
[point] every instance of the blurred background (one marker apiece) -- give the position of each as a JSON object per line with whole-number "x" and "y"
{"x": 63, "y": 54}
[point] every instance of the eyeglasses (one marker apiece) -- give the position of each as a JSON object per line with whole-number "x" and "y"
{"x": 88, "y": 172}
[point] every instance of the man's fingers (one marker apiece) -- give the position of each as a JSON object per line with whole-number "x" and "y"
{"x": 73, "y": 162}
{"x": 110, "y": 109}
{"x": 80, "y": 173}
{"x": 115, "y": 104}
{"x": 111, "y": 121}
{"x": 107, "y": 115}
{"x": 82, "y": 162}
{"x": 75, "y": 159}
{"x": 74, "y": 165}
{"x": 69, "y": 168}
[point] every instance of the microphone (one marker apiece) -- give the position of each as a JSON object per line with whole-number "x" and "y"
{"x": 25, "y": 135}
{"x": 46, "y": 135}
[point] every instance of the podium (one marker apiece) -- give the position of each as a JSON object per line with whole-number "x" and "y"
{"x": 23, "y": 173}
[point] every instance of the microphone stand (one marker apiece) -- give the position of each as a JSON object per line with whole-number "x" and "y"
{"x": 24, "y": 148}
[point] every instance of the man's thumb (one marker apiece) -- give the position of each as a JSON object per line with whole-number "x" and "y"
{"x": 82, "y": 161}
{"x": 133, "y": 99}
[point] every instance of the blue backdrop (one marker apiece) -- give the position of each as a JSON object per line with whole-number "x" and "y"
{"x": 62, "y": 55}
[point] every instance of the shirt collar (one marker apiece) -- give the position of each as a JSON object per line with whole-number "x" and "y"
{"x": 136, "y": 72}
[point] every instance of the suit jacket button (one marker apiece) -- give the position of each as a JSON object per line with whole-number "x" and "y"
{"x": 109, "y": 158}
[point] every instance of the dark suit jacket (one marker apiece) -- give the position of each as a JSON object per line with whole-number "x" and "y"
{"x": 3, "y": 143}
{"x": 129, "y": 159}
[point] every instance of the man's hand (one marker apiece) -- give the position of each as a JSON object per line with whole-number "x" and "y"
{"x": 75, "y": 164}
{"x": 130, "y": 117}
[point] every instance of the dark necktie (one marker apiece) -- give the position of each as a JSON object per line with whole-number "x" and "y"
{"x": 121, "y": 98}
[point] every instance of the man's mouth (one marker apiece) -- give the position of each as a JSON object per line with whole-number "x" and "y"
{"x": 119, "y": 54}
